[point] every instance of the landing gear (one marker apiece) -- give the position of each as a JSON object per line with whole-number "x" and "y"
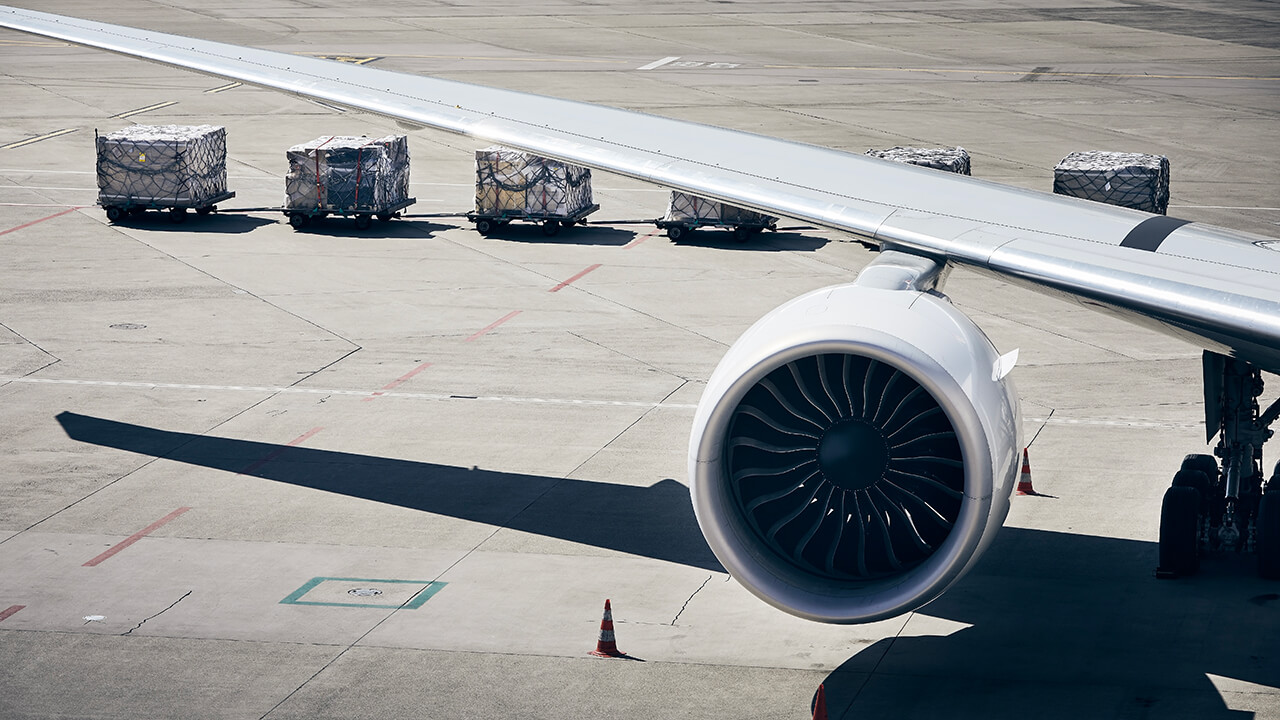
{"x": 1231, "y": 510}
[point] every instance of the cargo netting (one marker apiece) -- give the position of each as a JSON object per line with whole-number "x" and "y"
{"x": 347, "y": 174}
{"x": 1132, "y": 180}
{"x": 514, "y": 183}
{"x": 170, "y": 165}
{"x": 683, "y": 207}
{"x": 954, "y": 160}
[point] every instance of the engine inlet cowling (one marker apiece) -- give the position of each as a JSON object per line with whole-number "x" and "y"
{"x": 854, "y": 453}
{"x": 846, "y": 466}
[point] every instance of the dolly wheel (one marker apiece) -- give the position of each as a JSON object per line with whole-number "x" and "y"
{"x": 741, "y": 234}
{"x": 675, "y": 232}
{"x": 363, "y": 221}
{"x": 115, "y": 213}
{"x": 298, "y": 220}
{"x": 483, "y": 226}
{"x": 177, "y": 215}
{"x": 550, "y": 227}
{"x": 386, "y": 217}
{"x": 202, "y": 211}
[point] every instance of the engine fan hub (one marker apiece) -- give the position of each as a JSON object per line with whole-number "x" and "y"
{"x": 853, "y": 454}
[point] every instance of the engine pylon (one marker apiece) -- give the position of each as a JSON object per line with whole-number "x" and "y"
{"x": 1024, "y": 479}
{"x": 607, "y": 645}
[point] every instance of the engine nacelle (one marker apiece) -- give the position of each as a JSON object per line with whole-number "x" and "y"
{"x": 854, "y": 453}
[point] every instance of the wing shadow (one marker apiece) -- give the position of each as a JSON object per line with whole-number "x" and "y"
{"x": 655, "y": 522}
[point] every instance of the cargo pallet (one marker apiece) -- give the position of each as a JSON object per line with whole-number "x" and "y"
{"x": 680, "y": 229}
{"x": 551, "y": 224}
{"x": 300, "y": 218}
{"x": 120, "y": 207}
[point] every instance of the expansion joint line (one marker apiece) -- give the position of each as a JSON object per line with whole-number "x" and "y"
{"x": 1042, "y": 426}
{"x": 688, "y": 600}
{"x": 144, "y": 620}
{"x": 337, "y": 657}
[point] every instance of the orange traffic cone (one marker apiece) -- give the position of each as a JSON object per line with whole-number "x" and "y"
{"x": 1024, "y": 480}
{"x": 606, "y": 646}
{"x": 820, "y": 704}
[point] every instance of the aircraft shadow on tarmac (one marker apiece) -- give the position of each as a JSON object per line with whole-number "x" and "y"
{"x": 1074, "y": 626}
{"x": 1060, "y": 625}
{"x": 655, "y": 521}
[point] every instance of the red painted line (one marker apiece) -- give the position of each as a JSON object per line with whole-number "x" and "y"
{"x": 37, "y": 222}
{"x": 135, "y": 537}
{"x": 399, "y": 381}
{"x": 566, "y": 283}
{"x": 494, "y": 324}
{"x": 639, "y": 240}
{"x": 4, "y": 614}
{"x": 276, "y": 453}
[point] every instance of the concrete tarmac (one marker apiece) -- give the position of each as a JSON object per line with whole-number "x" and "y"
{"x": 249, "y": 472}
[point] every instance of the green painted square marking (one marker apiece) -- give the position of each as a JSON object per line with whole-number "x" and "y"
{"x": 335, "y": 591}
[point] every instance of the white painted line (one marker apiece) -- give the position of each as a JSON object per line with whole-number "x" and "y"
{"x": 1138, "y": 423}
{"x": 658, "y": 63}
{"x": 355, "y": 393}
{"x": 1223, "y": 207}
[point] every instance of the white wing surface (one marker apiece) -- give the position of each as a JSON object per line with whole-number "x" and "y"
{"x": 1214, "y": 287}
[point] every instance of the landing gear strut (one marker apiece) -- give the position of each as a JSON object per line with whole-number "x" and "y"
{"x": 1231, "y": 509}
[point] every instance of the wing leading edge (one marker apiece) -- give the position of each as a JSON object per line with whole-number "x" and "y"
{"x": 1217, "y": 288}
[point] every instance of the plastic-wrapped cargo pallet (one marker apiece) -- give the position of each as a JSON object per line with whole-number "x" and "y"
{"x": 162, "y": 166}
{"x": 1132, "y": 180}
{"x": 693, "y": 210}
{"x": 348, "y": 174}
{"x": 954, "y": 160}
{"x": 512, "y": 183}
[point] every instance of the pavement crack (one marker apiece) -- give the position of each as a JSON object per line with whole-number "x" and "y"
{"x": 144, "y": 620}
{"x": 690, "y": 599}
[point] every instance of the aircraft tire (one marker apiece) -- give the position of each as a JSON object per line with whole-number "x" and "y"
{"x": 1269, "y": 536}
{"x": 1179, "y": 520}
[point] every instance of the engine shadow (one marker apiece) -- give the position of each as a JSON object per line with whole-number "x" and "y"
{"x": 655, "y": 522}
{"x": 1072, "y": 626}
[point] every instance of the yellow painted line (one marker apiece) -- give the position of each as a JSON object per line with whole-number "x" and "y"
{"x": 148, "y": 108}
{"x": 221, "y": 88}
{"x": 34, "y": 43}
{"x": 37, "y": 138}
{"x": 483, "y": 57}
{"x": 1049, "y": 73}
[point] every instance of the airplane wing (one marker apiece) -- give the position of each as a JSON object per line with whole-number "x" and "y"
{"x": 1214, "y": 287}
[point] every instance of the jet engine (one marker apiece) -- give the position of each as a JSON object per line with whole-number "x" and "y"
{"x": 854, "y": 452}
